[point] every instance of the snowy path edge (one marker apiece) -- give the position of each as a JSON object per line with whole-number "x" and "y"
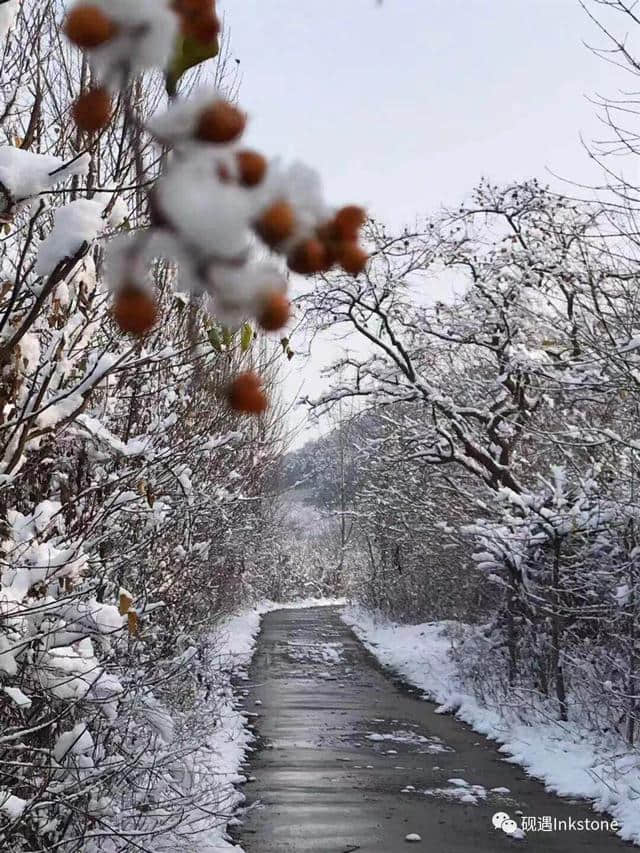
{"x": 570, "y": 762}
{"x": 234, "y": 641}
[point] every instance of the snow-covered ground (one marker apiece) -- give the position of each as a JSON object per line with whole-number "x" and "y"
{"x": 571, "y": 761}
{"x": 228, "y": 742}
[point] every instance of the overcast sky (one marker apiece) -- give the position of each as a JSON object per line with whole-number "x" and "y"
{"x": 403, "y": 105}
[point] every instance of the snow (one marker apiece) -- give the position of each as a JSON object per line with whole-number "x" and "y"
{"x": 227, "y": 745}
{"x": 68, "y": 673}
{"x": 25, "y": 174}
{"x": 39, "y": 562}
{"x": 105, "y": 691}
{"x": 178, "y": 124}
{"x": 106, "y": 616}
{"x": 145, "y": 39}
{"x": 29, "y": 352}
{"x": 330, "y": 653}
{"x": 432, "y": 744}
{"x": 213, "y": 219}
{"x": 622, "y": 594}
{"x": 17, "y": 696}
{"x": 44, "y": 513}
{"x": 133, "y": 447}
{"x": 209, "y": 213}
{"x": 571, "y": 761}
{"x": 459, "y": 794}
{"x": 8, "y": 11}
{"x": 52, "y": 414}
{"x": 462, "y": 793}
{"x": 119, "y": 213}
{"x": 76, "y": 223}
{"x": 157, "y": 717}
{"x": 8, "y": 662}
{"x": 78, "y": 741}
{"x": 301, "y": 185}
{"x": 301, "y": 604}
{"x": 13, "y": 807}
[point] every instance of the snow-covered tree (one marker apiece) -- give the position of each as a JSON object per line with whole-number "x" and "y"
{"x": 506, "y": 427}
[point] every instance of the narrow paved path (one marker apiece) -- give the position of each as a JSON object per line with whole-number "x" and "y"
{"x": 340, "y": 740}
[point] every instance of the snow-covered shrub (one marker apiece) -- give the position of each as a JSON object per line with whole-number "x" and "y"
{"x": 132, "y": 291}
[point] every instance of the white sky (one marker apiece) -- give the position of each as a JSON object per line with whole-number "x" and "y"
{"x": 404, "y": 105}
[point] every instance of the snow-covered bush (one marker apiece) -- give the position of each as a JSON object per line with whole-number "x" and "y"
{"x": 134, "y": 290}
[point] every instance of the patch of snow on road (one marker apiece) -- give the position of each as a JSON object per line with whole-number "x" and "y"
{"x": 468, "y": 794}
{"x": 432, "y": 744}
{"x": 429, "y": 744}
{"x": 330, "y": 653}
{"x": 399, "y": 737}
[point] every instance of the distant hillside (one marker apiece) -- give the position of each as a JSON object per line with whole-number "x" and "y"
{"x": 331, "y": 461}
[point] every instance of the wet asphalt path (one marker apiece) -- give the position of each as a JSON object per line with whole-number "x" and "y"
{"x": 340, "y": 742}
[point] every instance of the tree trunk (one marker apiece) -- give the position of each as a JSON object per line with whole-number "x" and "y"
{"x": 556, "y": 633}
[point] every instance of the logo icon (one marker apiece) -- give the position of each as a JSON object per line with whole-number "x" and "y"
{"x": 501, "y": 820}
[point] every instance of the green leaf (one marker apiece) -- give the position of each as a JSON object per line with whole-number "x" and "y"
{"x": 188, "y": 54}
{"x": 214, "y": 339}
{"x": 227, "y": 337}
{"x": 246, "y": 336}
